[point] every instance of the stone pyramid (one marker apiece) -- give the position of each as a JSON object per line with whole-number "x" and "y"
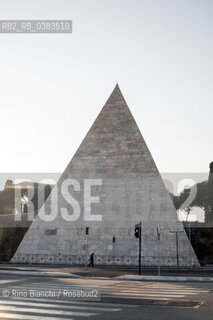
{"x": 128, "y": 188}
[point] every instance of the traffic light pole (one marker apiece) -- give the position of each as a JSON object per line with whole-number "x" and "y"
{"x": 177, "y": 250}
{"x": 140, "y": 250}
{"x": 158, "y": 235}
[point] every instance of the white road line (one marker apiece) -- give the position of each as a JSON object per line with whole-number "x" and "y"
{"x": 144, "y": 295}
{"x": 57, "y": 306}
{"x": 145, "y": 298}
{"x": 157, "y": 292}
{"x": 141, "y": 291}
{"x": 115, "y": 287}
{"x": 98, "y": 303}
{"x": 160, "y": 290}
{"x": 59, "y": 285}
{"x": 170, "y": 288}
{"x": 7, "y": 281}
{"x": 157, "y": 287}
{"x": 51, "y": 288}
{"x": 49, "y": 285}
{"x": 153, "y": 291}
{"x": 45, "y": 311}
{"x": 188, "y": 290}
{"x": 27, "y": 317}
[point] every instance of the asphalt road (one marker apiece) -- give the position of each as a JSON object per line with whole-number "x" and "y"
{"x": 27, "y": 298}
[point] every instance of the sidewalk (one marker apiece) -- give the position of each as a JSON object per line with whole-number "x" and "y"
{"x": 120, "y": 273}
{"x": 165, "y": 278}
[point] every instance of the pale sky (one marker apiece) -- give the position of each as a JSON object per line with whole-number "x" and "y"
{"x": 52, "y": 86}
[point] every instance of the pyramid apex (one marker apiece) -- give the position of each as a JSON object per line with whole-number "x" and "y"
{"x": 116, "y": 95}
{"x": 117, "y": 88}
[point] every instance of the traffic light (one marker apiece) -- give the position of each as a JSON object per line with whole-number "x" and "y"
{"x": 137, "y": 231}
{"x": 138, "y": 235}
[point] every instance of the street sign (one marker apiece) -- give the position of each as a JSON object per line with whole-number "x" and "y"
{"x": 176, "y": 229}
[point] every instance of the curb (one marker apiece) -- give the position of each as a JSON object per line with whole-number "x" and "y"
{"x": 165, "y": 278}
{"x": 39, "y": 274}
